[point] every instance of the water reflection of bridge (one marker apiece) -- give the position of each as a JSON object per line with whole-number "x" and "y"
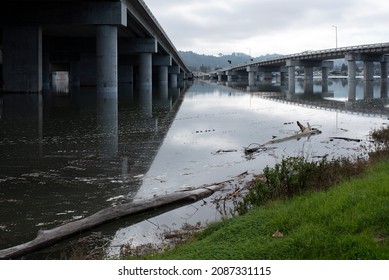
{"x": 67, "y": 155}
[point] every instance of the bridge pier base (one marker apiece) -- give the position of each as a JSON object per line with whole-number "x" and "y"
{"x": 106, "y": 59}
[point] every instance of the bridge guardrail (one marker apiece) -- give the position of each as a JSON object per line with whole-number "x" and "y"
{"x": 306, "y": 53}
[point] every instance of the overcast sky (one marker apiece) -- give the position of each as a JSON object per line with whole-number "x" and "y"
{"x": 270, "y": 26}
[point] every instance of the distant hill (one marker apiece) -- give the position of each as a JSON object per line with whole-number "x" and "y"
{"x": 205, "y": 63}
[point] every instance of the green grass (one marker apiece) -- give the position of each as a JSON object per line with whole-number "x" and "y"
{"x": 349, "y": 221}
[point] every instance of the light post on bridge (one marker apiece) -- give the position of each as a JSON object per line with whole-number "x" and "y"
{"x": 336, "y": 35}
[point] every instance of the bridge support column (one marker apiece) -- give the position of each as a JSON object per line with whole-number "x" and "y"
{"x": 292, "y": 79}
{"x": 145, "y": 72}
{"x": 22, "y": 58}
{"x": 308, "y": 82}
{"x": 384, "y": 71}
{"x": 106, "y": 59}
{"x": 324, "y": 79}
{"x": 283, "y": 75}
{"x": 384, "y": 79}
{"x": 368, "y": 67}
{"x": 163, "y": 75}
{"x": 173, "y": 76}
{"x": 252, "y": 72}
{"x": 352, "y": 70}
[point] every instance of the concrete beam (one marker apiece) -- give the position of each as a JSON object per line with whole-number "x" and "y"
{"x": 138, "y": 45}
{"x": 365, "y": 57}
{"x": 174, "y": 69}
{"x": 309, "y": 63}
{"x": 162, "y": 60}
{"x": 252, "y": 69}
{"x": 52, "y": 12}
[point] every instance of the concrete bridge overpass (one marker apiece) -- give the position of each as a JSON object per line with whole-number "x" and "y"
{"x": 308, "y": 60}
{"x": 100, "y": 43}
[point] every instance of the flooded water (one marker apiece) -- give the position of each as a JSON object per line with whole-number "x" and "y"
{"x": 66, "y": 156}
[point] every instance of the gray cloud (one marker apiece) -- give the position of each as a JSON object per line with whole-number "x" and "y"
{"x": 209, "y": 26}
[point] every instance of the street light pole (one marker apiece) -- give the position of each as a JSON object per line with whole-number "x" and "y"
{"x": 336, "y": 35}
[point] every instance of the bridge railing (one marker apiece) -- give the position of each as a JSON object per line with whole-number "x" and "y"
{"x": 306, "y": 53}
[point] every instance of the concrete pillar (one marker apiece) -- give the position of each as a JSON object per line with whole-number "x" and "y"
{"x": 106, "y": 59}
{"x": 352, "y": 70}
{"x": 324, "y": 79}
{"x": 283, "y": 76}
{"x": 163, "y": 75}
{"x": 145, "y": 71}
{"x": 292, "y": 79}
{"x": 173, "y": 76}
{"x": 324, "y": 74}
{"x": 308, "y": 79}
{"x": 384, "y": 71}
{"x": 173, "y": 80}
{"x": 368, "y": 68}
{"x": 22, "y": 58}
{"x": 384, "y": 79}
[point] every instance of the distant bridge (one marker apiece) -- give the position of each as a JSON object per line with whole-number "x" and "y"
{"x": 322, "y": 59}
{"x": 100, "y": 43}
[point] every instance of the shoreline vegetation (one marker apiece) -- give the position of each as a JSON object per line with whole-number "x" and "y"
{"x": 326, "y": 209}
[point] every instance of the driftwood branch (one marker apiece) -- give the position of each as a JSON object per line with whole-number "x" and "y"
{"x": 46, "y": 238}
{"x": 304, "y": 132}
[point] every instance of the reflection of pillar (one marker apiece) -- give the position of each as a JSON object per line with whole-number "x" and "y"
{"x": 22, "y": 58}
{"x": 352, "y": 90}
{"x": 292, "y": 79}
{"x": 108, "y": 120}
{"x": 251, "y": 78}
{"x": 40, "y": 124}
{"x": 106, "y": 59}
{"x": 368, "y": 90}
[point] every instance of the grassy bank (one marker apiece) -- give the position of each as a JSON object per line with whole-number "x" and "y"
{"x": 348, "y": 221}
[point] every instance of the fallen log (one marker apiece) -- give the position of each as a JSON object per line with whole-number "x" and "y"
{"x": 304, "y": 132}
{"x": 46, "y": 238}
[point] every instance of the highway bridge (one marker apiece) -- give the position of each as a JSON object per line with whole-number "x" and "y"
{"x": 369, "y": 54}
{"x": 100, "y": 43}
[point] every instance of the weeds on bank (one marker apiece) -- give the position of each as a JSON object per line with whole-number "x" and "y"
{"x": 296, "y": 175}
